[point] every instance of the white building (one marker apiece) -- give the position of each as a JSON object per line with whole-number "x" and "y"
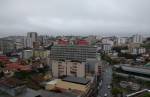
{"x": 59, "y": 68}
{"x": 107, "y": 41}
{"x": 68, "y": 68}
{"x": 76, "y": 69}
{"x": 121, "y": 40}
{"x": 107, "y": 47}
{"x": 30, "y": 39}
{"x": 32, "y": 35}
{"x": 98, "y": 37}
{"x": 137, "y": 38}
{"x": 138, "y": 50}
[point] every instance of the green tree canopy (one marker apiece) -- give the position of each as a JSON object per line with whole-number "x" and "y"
{"x": 116, "y": 91}
{"x": 146, "y": 95}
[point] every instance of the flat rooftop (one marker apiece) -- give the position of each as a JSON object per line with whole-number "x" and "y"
{"x": 66, "y": 85}
{"x": 136, "y": 69}
{"x": 77, "y": 80}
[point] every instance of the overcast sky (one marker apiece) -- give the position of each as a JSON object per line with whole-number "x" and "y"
{"x": 74, "y": 17}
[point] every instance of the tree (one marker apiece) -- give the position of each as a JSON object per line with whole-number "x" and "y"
{"x": 22, "y": 75}
{"x": 119, "y": 48}
{"x": 2, "y": 64}
{"x": 1, "y": 74}
{"x": 146, "y": 95}
{"x": 116, "y": 91}
{"x": 108, "y": 59}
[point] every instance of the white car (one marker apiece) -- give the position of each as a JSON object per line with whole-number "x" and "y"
{"x": 105, "y": 95}
{"x": 109, "y": 87}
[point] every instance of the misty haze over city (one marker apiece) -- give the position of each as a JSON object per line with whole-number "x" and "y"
{"x": 75, "y": 17}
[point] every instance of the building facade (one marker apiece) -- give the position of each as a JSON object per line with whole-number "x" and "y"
{"x": 72, "y": 52}
{"x": 121, "y": 41}
{"x": 68, "y": 68}
{"x": 30, "y": 39}
{"x": 137, "y": 38}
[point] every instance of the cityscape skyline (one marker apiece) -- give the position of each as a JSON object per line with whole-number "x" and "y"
{"x": 89, "y": 34}
{"x": 73, "y": 66}
{"x": 74, "y": 48}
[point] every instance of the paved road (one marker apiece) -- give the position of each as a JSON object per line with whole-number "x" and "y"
{"x": 107, "y": 77}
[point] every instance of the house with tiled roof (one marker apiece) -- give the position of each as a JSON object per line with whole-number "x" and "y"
{"x": 14, "y": 67}
{"x": 4, "y": 59}
{"x": 12, "y": 86}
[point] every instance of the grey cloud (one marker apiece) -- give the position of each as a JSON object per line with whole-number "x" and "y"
{"x": 73, "y": 17}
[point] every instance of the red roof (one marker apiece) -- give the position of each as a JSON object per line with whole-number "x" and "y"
{"x": 63, "y": 42}
{"x": 4, "y": 59}
{"x": 10, "y": 82}
{"x": 16, "y": 66}
{"x": 82, "y": 42}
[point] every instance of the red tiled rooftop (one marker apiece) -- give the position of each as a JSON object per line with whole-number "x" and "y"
{"x": 4, "y": 58}
{"x": 63, "y": 42}
{"x": 10, "y": 82}
{"x": 82, "y": 42}
{"x": 16, "y": 66}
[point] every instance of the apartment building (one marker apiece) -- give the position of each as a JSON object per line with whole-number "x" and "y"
{"x": 137, "y": 51}
{"x": 30, "y": 39}
{"x": 68, "y": 68}
{"x": 107, "y": 41}
{"x": 76, "y": 69}
{"x": 72, "y": 52}
{"x": 121, "y": 41}
{"x": 59, "y": 68}
{"x": 137, "y": 38}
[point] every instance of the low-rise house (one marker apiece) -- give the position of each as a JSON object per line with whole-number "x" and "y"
{"x": 12, "y": 86}
{"x": 105, "y": 47}
{"x": 14, "y": 67}
{"x": 4, "y": 59}
{"x": 17, "y": 67}
{"x": 137, "y": 51}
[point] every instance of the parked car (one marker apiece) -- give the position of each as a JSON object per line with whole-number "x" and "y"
{"x": 105, "y": 95}
{"x": 109, "y": 87}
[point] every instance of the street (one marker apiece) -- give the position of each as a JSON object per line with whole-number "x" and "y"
{"x": 106, "y": 81}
